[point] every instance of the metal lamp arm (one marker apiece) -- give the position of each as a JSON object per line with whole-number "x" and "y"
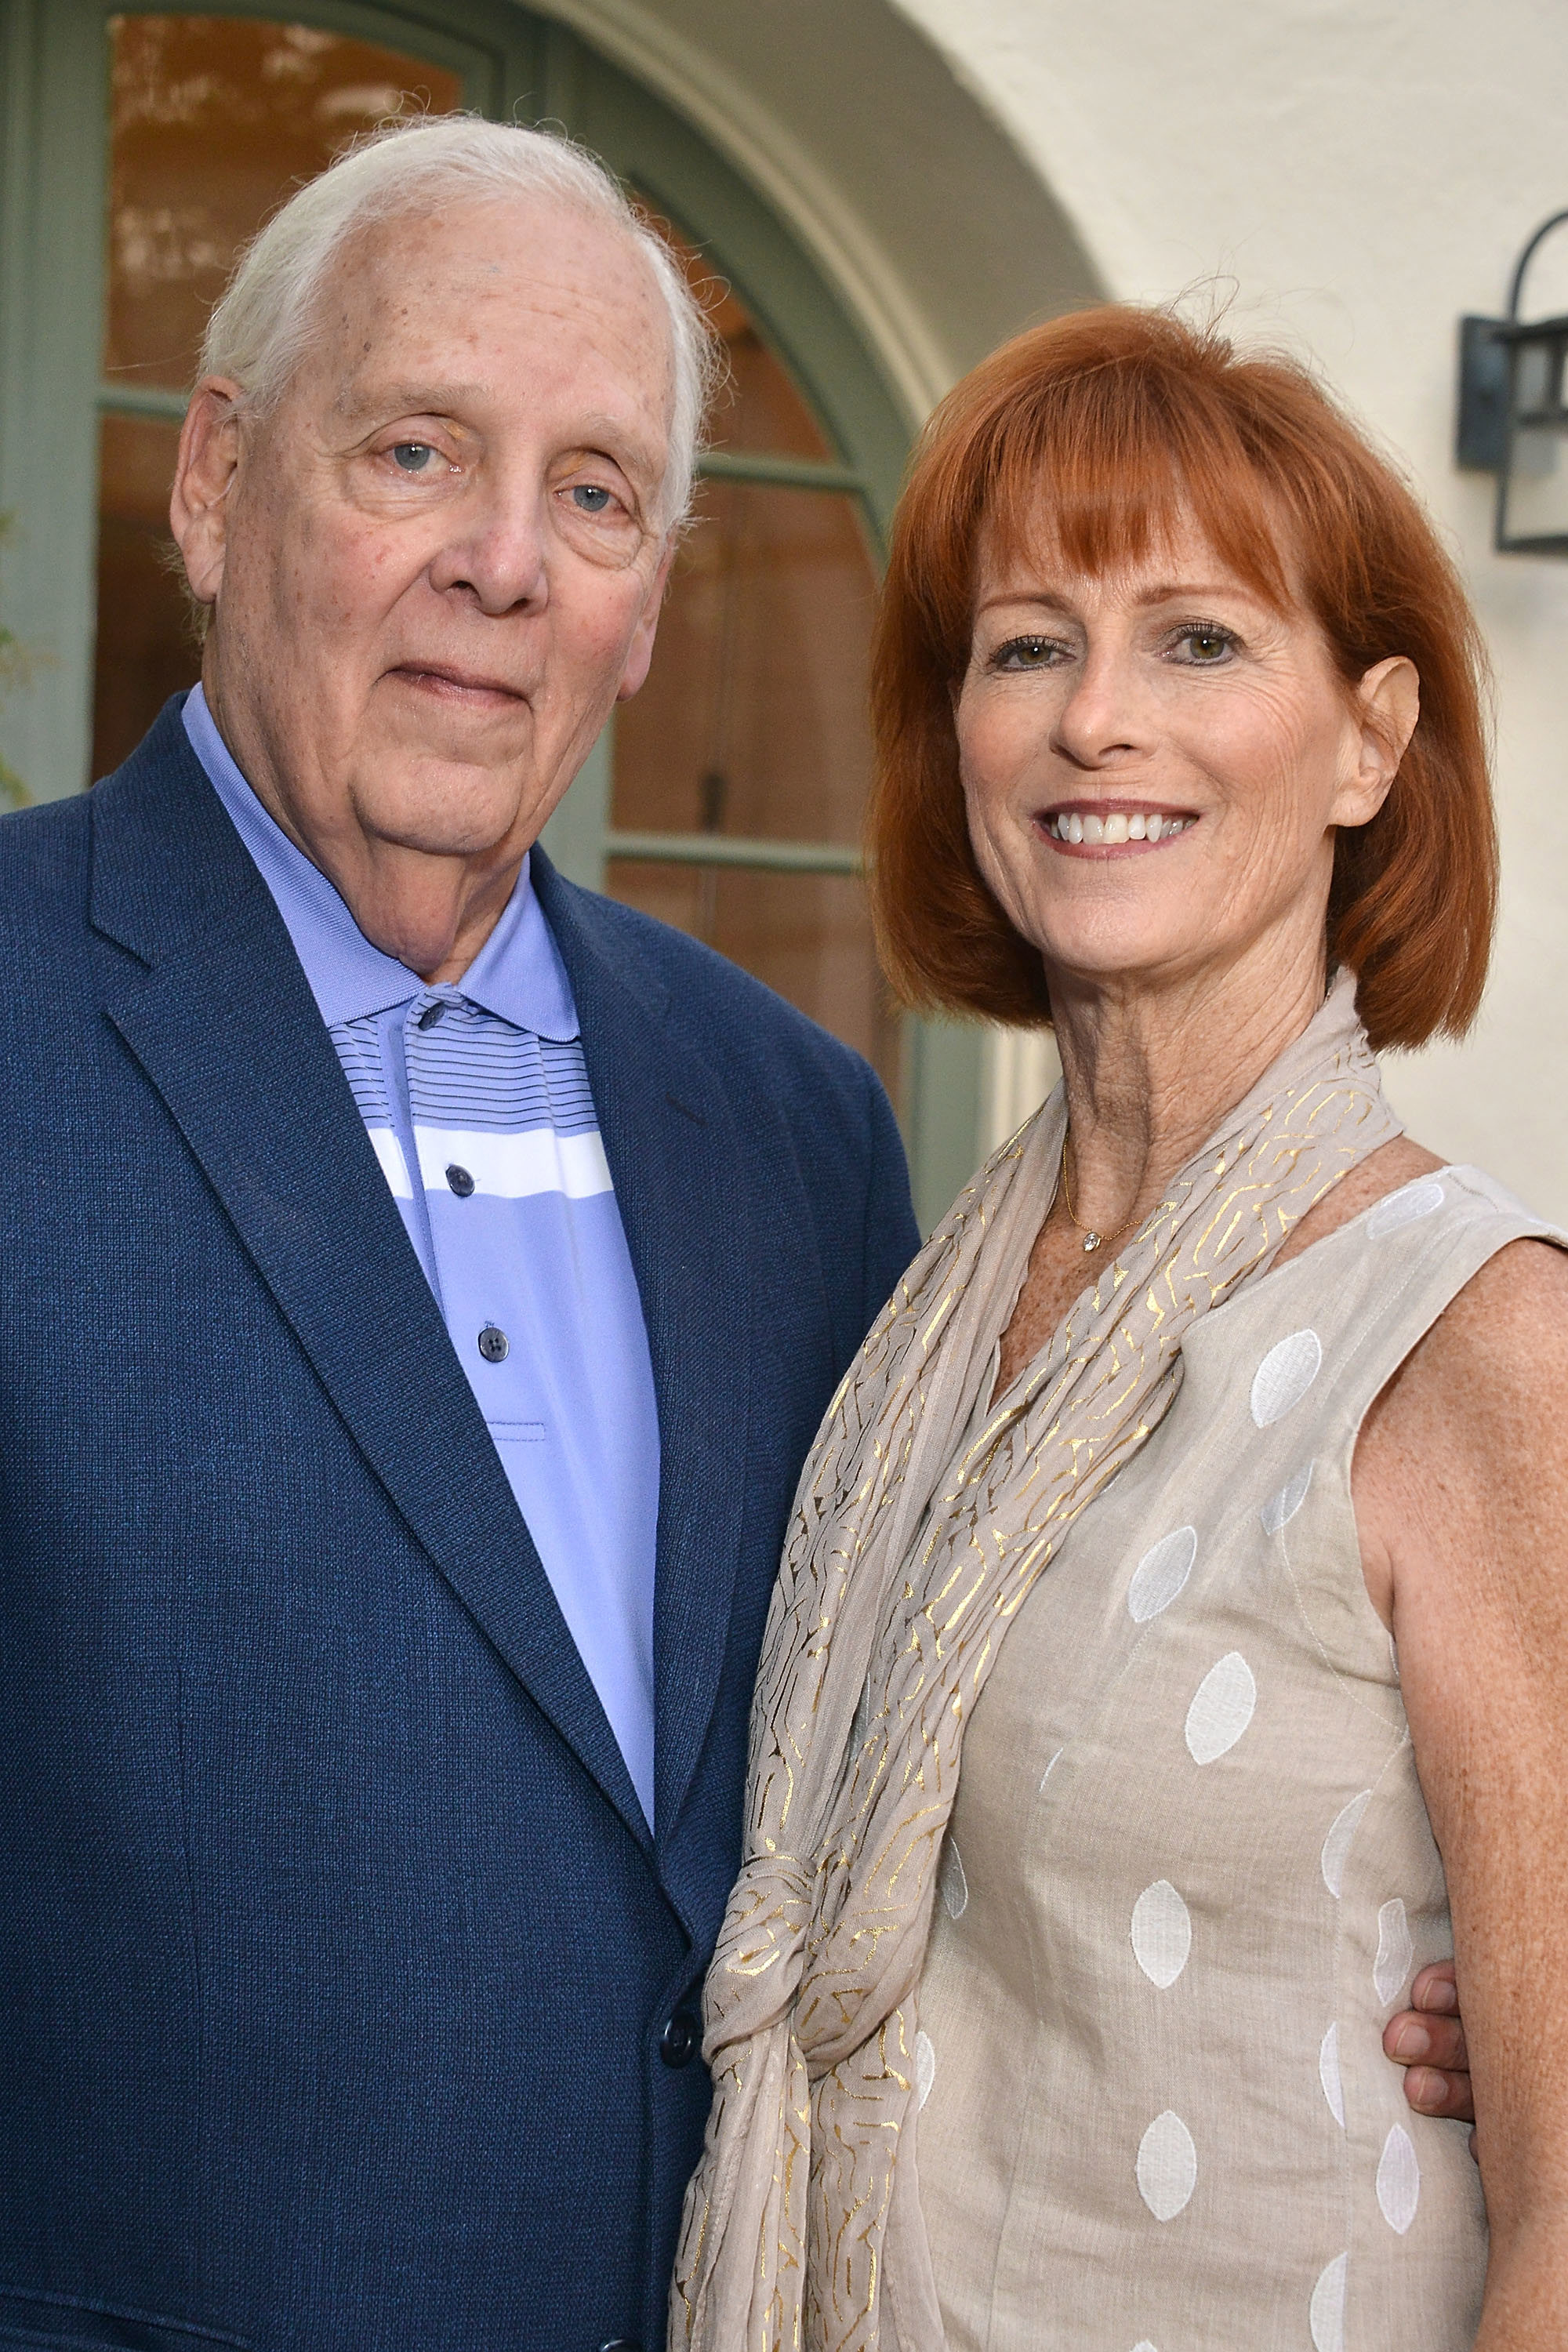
{"x": 1527, "y": 257}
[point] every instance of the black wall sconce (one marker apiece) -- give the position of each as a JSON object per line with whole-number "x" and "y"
{"x": 1513, "y": 417}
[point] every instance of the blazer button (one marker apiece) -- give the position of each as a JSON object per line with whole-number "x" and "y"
{"x": 680, "y": 2042}
{"x": 461, "y": 1182}
{"x": 494, "y": 1345}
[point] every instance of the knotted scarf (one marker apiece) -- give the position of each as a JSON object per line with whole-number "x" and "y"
{"x": 918, "y": 1530}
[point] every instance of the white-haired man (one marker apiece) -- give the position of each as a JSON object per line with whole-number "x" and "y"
{"x": 423, "y": 1282}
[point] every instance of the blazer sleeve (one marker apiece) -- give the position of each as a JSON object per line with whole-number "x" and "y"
{"x": 891, "y": 1234}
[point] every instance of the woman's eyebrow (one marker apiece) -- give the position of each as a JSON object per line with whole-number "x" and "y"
{"x": 1177, "y": 591}
{"x": 1041, "y": 596}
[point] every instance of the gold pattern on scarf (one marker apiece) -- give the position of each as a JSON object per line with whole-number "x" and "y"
{"x": 915, "y": 1539}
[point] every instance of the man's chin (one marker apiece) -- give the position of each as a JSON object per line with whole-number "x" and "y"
{"x": 443, "y": 807}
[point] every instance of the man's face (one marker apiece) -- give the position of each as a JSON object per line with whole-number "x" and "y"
{"x": 437, "y": 562}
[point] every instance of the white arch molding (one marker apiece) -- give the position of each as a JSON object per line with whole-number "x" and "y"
{"x": 938, "y": 236}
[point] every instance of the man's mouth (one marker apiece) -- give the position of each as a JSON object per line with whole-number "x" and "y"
{"x": 444, "y": 678}
{"x": 1114, "y": 825}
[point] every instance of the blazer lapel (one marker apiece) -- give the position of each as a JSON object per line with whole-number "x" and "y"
{"x": 680, "y": 1176}
{"x": 222, "y": 1021}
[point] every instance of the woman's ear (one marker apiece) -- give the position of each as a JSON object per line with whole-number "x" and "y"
{"x": 1384, "y": 709}
{"x": 209, "y": 455}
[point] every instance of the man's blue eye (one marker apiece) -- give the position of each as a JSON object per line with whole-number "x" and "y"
{"x": 410, "y": 456}
{"x": 591, "y": 497}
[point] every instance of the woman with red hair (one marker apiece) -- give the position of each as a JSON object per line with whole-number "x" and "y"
{"x": 1168, "y": 1660}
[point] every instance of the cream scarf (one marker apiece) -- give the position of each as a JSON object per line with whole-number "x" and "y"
{"x": 919, "y": 1529}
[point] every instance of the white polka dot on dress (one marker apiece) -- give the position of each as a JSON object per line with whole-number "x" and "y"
{"x": 1329, "y": 2073}
{"x": 1284, "y": 1375}
{"x": 1327, "y": 2311}
{"x": 954, "y": 1885}
{"x": 1162, "y": 1933}
{"x": 925, "y": 2067}
{"x": 1281, "y": 1509}
{"x": 1167, "y": 2165}
{"x": 1403, "y": 1208}
{"x": 1394, "y": 1951}
{"x": 1222, "y": 1708}
{"x": 1160, "y": 1574}
{"x": 1337, "y": 1845}
{"x": 1398, "y": 2180}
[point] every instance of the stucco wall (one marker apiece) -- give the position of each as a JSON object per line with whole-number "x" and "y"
{"x": 1363, "y": 173}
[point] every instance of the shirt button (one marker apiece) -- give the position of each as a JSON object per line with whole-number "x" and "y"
{"x": 461, "y": 1182}
{"x": 431, "y": 1015}
{"x": 494, "y": 1345}
{"x": 678, "y": 2042}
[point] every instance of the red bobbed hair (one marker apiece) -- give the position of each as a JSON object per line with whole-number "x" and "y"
{"x": 1093, "y": 434}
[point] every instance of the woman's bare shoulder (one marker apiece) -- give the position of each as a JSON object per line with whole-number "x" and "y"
{"x": 1499, "y": 1351}
{"x": 1464, "y": 1456}
{"x": 1470, "y": 1435}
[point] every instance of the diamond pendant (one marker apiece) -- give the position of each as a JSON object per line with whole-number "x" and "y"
{"x": 1090, "y": 1242}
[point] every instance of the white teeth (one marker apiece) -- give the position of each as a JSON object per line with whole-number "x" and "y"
{"x": 1114, "y": 829}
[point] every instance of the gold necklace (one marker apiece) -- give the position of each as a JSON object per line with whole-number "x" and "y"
{"x": 1091, "y": 1240}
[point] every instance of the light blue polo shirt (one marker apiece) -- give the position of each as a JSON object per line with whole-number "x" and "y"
{"x": 476, "y": 1099}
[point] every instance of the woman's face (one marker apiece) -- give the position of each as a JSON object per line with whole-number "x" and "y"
{"x": 1154, "y": 762}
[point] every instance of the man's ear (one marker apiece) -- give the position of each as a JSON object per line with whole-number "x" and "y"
{"x": 1385, "y": 706}
{"x": 640, "y": 653}
{"x": 209, "y": 455}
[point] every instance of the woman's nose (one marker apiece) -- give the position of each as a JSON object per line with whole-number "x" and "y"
{"x": 1104, "y": 712}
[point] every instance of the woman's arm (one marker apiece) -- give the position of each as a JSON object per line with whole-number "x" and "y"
{"x": 1461, "y": 1492}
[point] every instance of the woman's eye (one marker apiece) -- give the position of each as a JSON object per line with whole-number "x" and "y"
{"x": 1206, "y": 644}
{"x": 1025, "y": 653}
{"x": 414, "y": 456}
{"x": 590, "y": 498}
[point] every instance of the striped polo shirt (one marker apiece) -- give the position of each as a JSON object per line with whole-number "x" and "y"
{"x": 476, "y": 1099}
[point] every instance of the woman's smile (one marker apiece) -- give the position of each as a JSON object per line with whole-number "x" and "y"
{"x": 1101, "y": 828}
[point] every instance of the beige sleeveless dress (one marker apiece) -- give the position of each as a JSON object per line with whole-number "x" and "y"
{"x": 1189, "y": 1876}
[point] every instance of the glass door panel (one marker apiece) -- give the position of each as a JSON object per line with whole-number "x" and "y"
{"x": 741, "y": 770}
{"x": 213, "y": 120}
{"x": 752, "y": 721}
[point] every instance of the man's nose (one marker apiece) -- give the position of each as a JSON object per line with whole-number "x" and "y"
{"x": 498, "y": 556}
{"x": 1105, "y": 712}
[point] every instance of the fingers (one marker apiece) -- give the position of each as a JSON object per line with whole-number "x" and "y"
{"x": 1436, "y": 1989}
{"x": 1429, "y": 2039}
{"x": 1432, "y": 2093}
{"x": 1418, "y": 2038}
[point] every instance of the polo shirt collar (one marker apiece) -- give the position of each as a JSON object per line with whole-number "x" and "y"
{"x": 518, "y": 974}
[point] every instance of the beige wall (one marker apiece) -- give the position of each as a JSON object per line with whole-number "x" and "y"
{"x": 1363, "y": 173}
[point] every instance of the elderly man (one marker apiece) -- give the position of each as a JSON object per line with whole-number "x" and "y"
{"x": 423, "y": 1280}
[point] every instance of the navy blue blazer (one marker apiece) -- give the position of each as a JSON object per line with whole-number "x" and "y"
{"x": 336, "y": 1961}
